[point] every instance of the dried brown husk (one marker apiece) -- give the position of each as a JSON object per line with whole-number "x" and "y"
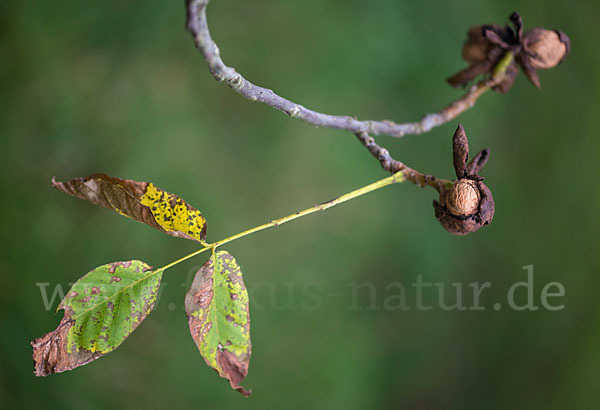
{"x": 485, "y": 46}
{"x": 455, "y": 210}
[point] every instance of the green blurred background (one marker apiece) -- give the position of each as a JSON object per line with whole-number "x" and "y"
{"x": 117, "y": 87}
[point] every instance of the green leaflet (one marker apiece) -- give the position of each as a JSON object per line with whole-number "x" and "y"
{"x": 141, "y": 201}
{"x": 218, "y": 316}
{"x": 101, "y": 310}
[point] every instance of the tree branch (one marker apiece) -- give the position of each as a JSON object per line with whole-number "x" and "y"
{"x": 198, "y": 27}
{"x": 391, "y": 165}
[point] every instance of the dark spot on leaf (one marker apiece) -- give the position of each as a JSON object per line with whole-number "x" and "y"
{"x": 95, "y": 290}
{"x": 85, "y": 299}
{"x": 72, "y": 294}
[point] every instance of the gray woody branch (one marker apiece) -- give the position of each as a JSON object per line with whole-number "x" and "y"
{"x": 198, "y": 27}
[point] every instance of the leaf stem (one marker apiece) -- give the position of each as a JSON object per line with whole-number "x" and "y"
{"x": 186, "y": 257}
{"x": 396, "y": 178}
{"x": 500, "y": 69}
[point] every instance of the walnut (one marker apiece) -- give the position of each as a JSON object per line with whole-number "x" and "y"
{"x": 466, "y": 205}
{"x": 487, "y": 45}
{"x": 463, "y": 198}
{"x": 545, "y": 48}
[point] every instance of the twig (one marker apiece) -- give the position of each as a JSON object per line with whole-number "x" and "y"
{"x": 391, "y": 165}
{"x": 393, "y": 179}
{"x": 198, "y": 27}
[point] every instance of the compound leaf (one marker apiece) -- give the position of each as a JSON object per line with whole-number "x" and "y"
{"x": 141, "y": 201}
{"x": 218, "y": 317}
{"x": 100, "y": 311}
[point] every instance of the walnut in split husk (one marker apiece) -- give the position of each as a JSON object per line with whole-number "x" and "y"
{"x": 468, "y": 204}
{"x": 486, "y": 45}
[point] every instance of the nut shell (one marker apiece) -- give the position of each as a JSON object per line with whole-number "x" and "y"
{"x": 545, "y": 48}
{"x": 463, "y": 225}
{"x": 463, "y": 198}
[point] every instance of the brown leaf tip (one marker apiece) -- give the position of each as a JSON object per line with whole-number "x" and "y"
{"x": 50, "y": 351}
{"x": 233, "y": 369}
